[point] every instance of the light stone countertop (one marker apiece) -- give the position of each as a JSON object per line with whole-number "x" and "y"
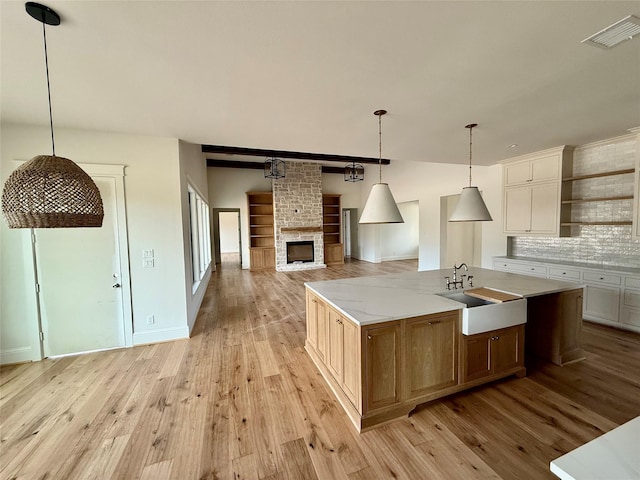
{"x": 613, "y": 455}
{"x": 368, "y": 300}
{"x": 569, "y": 263}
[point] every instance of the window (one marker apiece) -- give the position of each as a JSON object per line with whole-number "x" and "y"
{"x": 199, "y": 225}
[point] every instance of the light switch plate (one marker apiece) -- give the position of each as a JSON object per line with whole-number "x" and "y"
{"x": 147, "y": 263}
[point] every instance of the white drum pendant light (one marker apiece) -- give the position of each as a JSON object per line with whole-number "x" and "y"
{"x": 470, "y": 206}
{"x": 50, "y": 191}
{"x": 380, "y": 206}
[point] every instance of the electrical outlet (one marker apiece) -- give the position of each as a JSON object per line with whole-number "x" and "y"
{"x": 147, "y": 253}
{"x": 150, "y": 320}
{"x": 147, "y": 263}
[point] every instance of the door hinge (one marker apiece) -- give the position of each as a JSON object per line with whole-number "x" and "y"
{"x": 37, "y": 288}
{"x": 41, "y": 336}
{"x": 33, "y": 237}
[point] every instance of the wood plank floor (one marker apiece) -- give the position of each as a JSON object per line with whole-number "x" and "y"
{"x": 241, "y": 400}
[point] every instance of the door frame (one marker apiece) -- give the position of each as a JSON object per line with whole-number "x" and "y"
{"x": 115, "y": 172}
{"x": 216, "y": 232}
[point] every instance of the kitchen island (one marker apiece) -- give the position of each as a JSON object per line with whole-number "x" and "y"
{"x": 385, "y": 344}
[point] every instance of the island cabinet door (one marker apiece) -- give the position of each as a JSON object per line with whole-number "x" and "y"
{"x": 317, "y": 325}
{"x": 475, "y": 356}
{"x": 507, "y": 348}
{"x": 335, "y": 347}
{"x": 431, "y": 360}
{"x": 381, "y": 365}
{"x": 351, "y": 361}
{"x": 492, "y": 352}
{"x": 312, "y": 320}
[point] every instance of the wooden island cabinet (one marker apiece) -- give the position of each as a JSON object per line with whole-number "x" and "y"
{"x": 384, "y": 370}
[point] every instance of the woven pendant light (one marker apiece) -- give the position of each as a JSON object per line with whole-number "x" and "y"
{"x": 50, "y": 191}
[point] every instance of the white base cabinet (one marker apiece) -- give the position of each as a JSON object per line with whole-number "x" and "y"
{"x": 610, "y": 298}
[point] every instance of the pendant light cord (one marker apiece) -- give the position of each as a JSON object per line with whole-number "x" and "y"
{"x": 46, "y": 63}
{"x": 470, "y": 143}
{"x": 380, "y": 146}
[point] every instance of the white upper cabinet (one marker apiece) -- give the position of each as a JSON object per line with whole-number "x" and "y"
{"x": 543, "y": 169}
{"x": 532, "y": 192}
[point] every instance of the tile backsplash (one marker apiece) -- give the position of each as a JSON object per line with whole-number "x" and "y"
{"x": 598, "y": 244}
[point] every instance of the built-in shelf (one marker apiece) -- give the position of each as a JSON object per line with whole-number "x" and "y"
{"x": 573, "y": 201}
{"x": 599, "y": 174}
{"x": 598, "y": 199}
{"x": 331, "y": 229}
{"x": 261, "y": 234}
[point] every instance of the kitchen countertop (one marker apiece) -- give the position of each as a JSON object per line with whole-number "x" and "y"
{"x": 568, "y": 263}
{"x": 613, "y": 455}
{"x": 368, "y": 300}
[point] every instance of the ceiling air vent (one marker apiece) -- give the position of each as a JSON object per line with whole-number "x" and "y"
{"x": 620, "y": 31}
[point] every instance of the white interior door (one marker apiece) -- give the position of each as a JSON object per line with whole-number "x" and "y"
{"x": 80, "y": 277}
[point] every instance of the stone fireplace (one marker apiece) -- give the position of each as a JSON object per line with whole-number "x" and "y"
{"x": 297, "y": 214}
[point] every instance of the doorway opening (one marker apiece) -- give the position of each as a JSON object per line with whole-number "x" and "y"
{"x": 459, "y": 241}
{"x": 400, "y": 241}
{"x": 350, "y": 232}
{"x": 227, "y": 237}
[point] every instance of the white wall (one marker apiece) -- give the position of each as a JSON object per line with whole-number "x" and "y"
{"x": 400, "y": 241}
{"x": 409, "y": 182}
{"x": 426, "y": 183}
{"x": 229, "y": 232}
{"x": 351, "y": 192}
{"x": 228, "y": 188}
{"x": 154, "y": 212}
{"x": 193, "y": 171}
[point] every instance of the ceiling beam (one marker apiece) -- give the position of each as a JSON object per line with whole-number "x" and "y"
{"x": 258, "y": 152}
{"x": 260, "y": 165}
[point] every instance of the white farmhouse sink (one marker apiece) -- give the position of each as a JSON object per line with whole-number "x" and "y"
{"x": 481, "y": 315}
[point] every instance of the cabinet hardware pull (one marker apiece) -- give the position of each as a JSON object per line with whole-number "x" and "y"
{"x": 601, "y": 278}
{"x": 368, "y": 337}
{"x": 434, "y": 322}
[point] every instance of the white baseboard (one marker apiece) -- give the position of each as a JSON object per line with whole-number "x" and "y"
{"x": 158, "y": 336}
{"x": 399, "y": 257}
{"x": 15, "y": 355}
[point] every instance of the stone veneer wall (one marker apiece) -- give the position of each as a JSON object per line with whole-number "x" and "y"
{"x": 297, "y": 202}
{"x": 606, "y": 245}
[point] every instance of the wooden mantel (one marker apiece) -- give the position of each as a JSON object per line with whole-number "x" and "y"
{"x": 301, "y": 229}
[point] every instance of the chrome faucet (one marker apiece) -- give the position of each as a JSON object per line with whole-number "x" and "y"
{"x": 455, "y": 281}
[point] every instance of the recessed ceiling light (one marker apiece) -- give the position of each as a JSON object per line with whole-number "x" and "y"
{"x": 513, "y": 145}
{"x": 611, "y": 36}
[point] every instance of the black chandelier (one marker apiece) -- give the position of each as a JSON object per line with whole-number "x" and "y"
{"x": 274, "y": 168}
{"x": 354, "y": 172}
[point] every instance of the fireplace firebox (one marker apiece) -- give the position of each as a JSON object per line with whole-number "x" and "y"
{"x": 300, "y": 252}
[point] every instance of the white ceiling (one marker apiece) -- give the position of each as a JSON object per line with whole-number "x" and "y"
{"x": 307, "y": 76}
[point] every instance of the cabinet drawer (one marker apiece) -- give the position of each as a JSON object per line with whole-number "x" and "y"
{"x": 564, "y": 273}
{"x": 632, "y": 298}
{"x": 633, "y": 282}
{"x": 528, "y": 269}
{"x": 607, "y": 278}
